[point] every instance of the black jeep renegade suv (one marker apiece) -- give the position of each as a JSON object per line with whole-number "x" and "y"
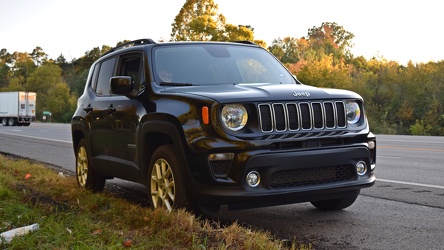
{"x": 203, "y": 124}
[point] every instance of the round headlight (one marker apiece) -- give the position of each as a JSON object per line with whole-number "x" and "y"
{"x": 234, "y": 116}
{"x": 353, "y": 112}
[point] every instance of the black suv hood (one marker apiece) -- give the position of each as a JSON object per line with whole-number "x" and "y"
{"x": 232, "y": 93}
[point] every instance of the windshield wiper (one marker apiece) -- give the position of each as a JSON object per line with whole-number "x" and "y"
{"x": 178, "y": 84}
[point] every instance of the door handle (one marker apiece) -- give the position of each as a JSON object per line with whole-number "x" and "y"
{"x": 88, "y": 108}
{"x": 110, "y": 109}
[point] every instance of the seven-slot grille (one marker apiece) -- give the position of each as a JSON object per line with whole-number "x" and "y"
{"x": 300, "y": 116}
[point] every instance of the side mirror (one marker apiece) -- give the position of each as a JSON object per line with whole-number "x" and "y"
{"x": 121, "y": 85}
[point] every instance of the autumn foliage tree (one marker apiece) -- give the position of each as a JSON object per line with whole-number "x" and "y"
{"x": 399, "y": 99}
{"x": 331, "y": 39}
{"x": 324, "y": 73}
{"x": 199, "y": 20}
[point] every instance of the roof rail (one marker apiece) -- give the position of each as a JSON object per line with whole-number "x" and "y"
{"x": 245, "y": 42}
{"x": 130, "y": 44}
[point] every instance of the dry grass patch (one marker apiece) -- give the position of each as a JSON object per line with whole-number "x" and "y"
{"x": 72, "y": 218}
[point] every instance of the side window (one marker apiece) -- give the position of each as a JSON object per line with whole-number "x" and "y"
{"x": 105, "y": 74}
{"x": 94, "y": 76}
{"x": 130, "y": 65}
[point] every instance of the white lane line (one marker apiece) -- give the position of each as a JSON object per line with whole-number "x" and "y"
{"x": 388, "y": 157}
{"x": 411, "y": 183}
{"x": 430, "y": 142}
{"x": 39, "y": 138}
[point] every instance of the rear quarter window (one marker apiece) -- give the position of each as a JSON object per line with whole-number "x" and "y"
{"x": 106, "y": 71}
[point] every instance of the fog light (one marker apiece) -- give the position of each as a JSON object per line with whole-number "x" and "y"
{"x": 361, "y": 168}
{"x": 253, "y": 179}
{"x": 371, "y": 145}
{"x": 220, "y": 164}
{"x": 221, "y": 157}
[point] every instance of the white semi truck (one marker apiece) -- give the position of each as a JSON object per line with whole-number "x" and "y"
{"x": 17, "y": 108}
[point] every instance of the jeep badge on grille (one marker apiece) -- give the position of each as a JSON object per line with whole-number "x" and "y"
{"x": 301, "y": 94}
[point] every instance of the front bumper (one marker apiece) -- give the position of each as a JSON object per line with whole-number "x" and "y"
{"x": 291, "y": 177}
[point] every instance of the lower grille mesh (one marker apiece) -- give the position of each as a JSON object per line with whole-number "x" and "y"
{"x": 312, "y": 176}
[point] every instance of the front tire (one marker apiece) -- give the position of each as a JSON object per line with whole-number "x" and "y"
{"x": 87, "y": 177}
{"x": 167, "y": 186}
{"x": 336, "y": 204}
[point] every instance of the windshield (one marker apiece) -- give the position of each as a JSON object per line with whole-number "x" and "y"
{"x": 206, "y": 64}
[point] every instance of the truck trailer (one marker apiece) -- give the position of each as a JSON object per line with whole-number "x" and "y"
{"x": 17, "y": 108}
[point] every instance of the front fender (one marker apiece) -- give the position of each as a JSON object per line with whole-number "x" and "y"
{"x": 164, "y": 132}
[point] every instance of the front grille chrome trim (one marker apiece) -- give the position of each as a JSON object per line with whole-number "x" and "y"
{"x": 315, "y": 105}
{"x": 280, "y": 117}
{"x": 302, "y": 116}
{"x": 265, "y": 121}
{"x": 294, "y": 118}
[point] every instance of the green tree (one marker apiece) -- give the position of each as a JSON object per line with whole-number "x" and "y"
{"x": 90, "y": 57}
{"x": 288, "y": 50}
{"x": 331, "y": 38}
{"x": 260, "y": 43}
{"x": 38, "y": 55}
{"x": 199, "y": 20}
{"x": 52, "y": 93}
{"x": 236, "y": 33}
{"x": 118, "y": 44}
{"x": 44, "y": 78}
{"x": 423, "y": 90}
{"x": 290, "y": 47}
{"x": 22, "y": 67}
{"x": 277, "y": 48}
{"x": 14, "y": 85}
{"x": 5, "y": 69}
{"x": 418, "y": 128}
{"x": 59, "y": 102}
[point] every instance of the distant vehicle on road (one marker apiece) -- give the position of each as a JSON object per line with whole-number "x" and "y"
{"x": 17, "y": 108}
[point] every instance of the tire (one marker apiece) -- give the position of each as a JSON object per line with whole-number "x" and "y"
{"x": 336, "y": 204}
{"x": 86, "y": 176}
{"x": 166, "y": 186}
{"x": 12, "y": 122}
{"x": 5, "y": 121}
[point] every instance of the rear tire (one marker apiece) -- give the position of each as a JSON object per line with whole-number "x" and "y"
{"x": 12, "y": 122}
{"x": 5, "y": 121}
{"x": 167, "y": 186}
{"x": 86, "y": 176}
{"x": 336, "y": 204}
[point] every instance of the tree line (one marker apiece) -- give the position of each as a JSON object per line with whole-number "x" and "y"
{"x": 399, "y": 99}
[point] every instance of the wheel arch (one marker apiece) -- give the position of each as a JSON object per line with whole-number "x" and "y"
{"x": 157, "y": 133}
{"x": 78, "y": 133}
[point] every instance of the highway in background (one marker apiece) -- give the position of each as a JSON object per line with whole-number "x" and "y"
{"x": 404, "y": 210}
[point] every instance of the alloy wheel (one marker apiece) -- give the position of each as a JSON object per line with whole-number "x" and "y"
{"x": 163, "y": 188}
{"x": 82, "y": 166}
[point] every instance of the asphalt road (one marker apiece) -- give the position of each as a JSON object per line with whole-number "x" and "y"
{"x": 404, "y": 210}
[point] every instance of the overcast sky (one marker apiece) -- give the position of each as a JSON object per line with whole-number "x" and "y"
{"x": 396, "y": 30}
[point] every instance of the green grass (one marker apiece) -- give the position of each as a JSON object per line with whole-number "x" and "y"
{"x": 73, "y": 218}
